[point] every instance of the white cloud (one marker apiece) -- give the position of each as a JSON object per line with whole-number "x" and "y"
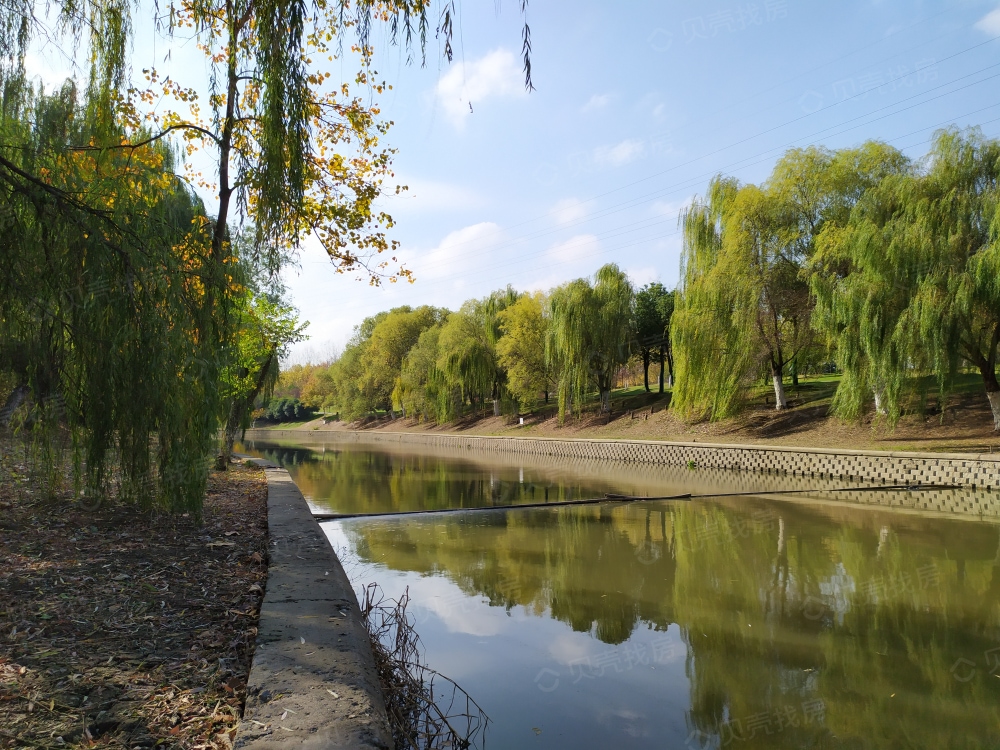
{"x": 990, "y": 23}
{"x": 620, "y": 154}
{"x": 575, "y": 248}
{"x": 460, "y": 250}
{"x": 51, "y": 72}
{"x": 423, "y": 196}
{"x": 568, "y": 211}
{"x": 497, "y": 75}
{"x": 642, "y": 276}
{"x": 597, "y": 101}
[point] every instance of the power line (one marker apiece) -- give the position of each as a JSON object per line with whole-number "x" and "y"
{"x": 495, "y": 267}
{"x": 766, "y": 131}
{"x": 738, "y": 164}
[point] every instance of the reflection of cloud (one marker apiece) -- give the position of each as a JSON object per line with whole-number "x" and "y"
{"x": 495, "y": 75}
{"x": 460, "y": 612}
{"x": 597, "y": 101}
{"x": 569, "y": 647}
{"x": 569, "y": 210}
{"x": 620, "y": 154}
{"x": 990, "y": 23}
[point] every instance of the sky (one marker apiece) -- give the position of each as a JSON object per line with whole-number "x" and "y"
{"x": 636, "y": 106}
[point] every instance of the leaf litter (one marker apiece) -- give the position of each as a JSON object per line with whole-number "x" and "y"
{"x": 123, "y": 628}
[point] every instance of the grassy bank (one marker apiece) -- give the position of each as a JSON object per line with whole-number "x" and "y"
{"x": 120, "y": 628}
{"x": 963, "y": 424}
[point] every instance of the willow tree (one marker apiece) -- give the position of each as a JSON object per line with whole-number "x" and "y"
{"x": 268, "y": 326}
{"x": 956, "y": 302}
{"x": 521, "y": 349}
{"x": 468, "y": 348}
{"x": 297, "y": 154}
{"x": 111, "y": 307}
{"x": 862, "y": 276}
{"x": 382, "y": 358}
{"x": 743, "y": 303}
{"x": 589, "y": 338}
{"x": 909, "y": 286}
{"x": 422, "y": 389}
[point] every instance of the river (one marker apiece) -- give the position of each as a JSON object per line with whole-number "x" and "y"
{"x": 742, "y": 622}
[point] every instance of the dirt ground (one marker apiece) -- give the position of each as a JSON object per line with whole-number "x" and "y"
{"x": 127, "y": 629}
{"x": 965, "y": 427}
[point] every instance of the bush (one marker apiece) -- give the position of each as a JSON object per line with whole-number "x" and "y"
{"x": 287, "y": 410}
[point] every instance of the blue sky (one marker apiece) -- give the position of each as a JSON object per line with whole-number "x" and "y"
{"x": 636, "y": 106}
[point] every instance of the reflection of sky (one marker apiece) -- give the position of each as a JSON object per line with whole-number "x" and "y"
{"x": 542, "y": 684}
{"x": 773, "y": 613}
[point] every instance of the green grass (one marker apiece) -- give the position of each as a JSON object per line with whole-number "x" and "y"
{"x": 286, "y": 425}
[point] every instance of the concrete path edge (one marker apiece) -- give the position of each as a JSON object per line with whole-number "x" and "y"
{"x": 313, "y": 682}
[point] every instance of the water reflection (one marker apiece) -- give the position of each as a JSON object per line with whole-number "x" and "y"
{"x": 739, "y": 623}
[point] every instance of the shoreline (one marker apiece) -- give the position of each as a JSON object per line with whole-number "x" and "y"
{"x": 974, "y": 471}
{"x": 313, "y": 675}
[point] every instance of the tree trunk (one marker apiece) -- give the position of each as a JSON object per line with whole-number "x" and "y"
{"x": 645, "y": 368}
{"x": 605, "y": 400}
{"x": 780, "y": 402}
{"x": 16, "y": 398}
{"x": 879, "y": 406}
{"x": 670, "y": 364}
{"x": 661, "y": 368}
{"x": 994, "y": 397}
{"x": 496, "y": 407}
{"x": 239, "y": 410}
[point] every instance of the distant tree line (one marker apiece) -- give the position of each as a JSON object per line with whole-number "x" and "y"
{"x": 505, "y": 353}
{"x": 862, "y": 260}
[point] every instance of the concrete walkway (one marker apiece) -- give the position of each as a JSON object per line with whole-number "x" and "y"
{"x": 313, "y": 682}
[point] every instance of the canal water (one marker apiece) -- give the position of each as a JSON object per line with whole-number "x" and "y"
{"x": 743, "y": 622}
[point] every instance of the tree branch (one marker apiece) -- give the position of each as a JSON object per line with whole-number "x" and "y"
{"x": 152, "y": 139}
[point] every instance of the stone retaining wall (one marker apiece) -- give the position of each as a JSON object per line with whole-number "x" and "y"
{"x": 876, "y": 467}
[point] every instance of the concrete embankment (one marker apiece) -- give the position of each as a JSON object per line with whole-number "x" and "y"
{"x": 980, "y": 471}
{"x": 313, "y": 682}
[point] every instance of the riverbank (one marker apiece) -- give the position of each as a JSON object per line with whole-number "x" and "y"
{"x": 120, "y": 628}
{"x": 966, "y": 426}
{"x": 313, "y": 675}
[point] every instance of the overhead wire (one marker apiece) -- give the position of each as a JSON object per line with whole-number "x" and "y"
{"x": 823, "y": 132}
{"x": 740, "y": 164}
{"x": 764, "y": 132}
{"x": 513, "y": 261}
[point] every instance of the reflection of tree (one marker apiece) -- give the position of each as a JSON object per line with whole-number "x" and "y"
{"x": 743, "y": 591}
{"x": 354, "y": 480}
{"x": 588, "y": 567}
{"x": 780, "y": 605}
{"x": 878, "y": 651}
